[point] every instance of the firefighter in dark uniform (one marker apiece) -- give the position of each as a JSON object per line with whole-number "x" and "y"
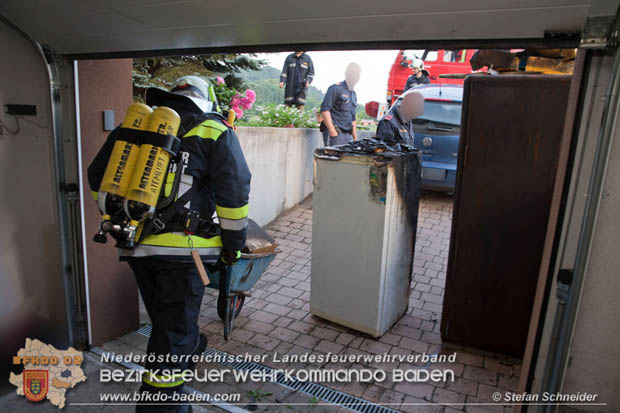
{"x": 338, "y": 109}
{"x": 396, "y": 126}
{"x": 419, "y": 76}
{"x": 171, "y": 288}
{"x": 297, "y": 74}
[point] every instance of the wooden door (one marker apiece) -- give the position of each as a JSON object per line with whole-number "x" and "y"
{"x": 510, "y": 141}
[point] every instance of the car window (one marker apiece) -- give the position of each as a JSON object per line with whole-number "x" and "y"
{"x": 412, "y": 54}
{"x": 441, "y": 112}
{"x": 449, "y": 56}
{"x": 430, "y": 56}
{"x": 455, "y": 55}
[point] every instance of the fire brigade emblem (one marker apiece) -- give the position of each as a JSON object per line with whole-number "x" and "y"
{"x": 35, "y": 384}
{"x": 48, "y": 373}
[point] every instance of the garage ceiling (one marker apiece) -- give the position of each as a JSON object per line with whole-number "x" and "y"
{"x": 121, "y": 27}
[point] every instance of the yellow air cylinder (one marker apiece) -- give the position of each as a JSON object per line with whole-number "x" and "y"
{"x": 150, "y": 170}
{"x": 231, "y": 117}
{"x": 118, "y": 172}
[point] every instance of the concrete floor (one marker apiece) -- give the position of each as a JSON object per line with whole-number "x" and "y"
{"x": 277, "y": 318}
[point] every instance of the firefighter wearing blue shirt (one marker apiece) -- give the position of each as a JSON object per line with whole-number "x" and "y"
{"x": 297, "y": 74}
{"x": 213, "y": 167}
{"x": 396, "y": 126}
{"x": 338, "y": 109}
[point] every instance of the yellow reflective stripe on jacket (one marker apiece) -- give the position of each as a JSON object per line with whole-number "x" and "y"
{"x": 208, "y": 129}
{"x": 178, "y": 239}
{"x": 162, "y": 381}
{"x": 95, "y": 195}
{"x": 169, "y": 183}
{"x": 232, "y": 213}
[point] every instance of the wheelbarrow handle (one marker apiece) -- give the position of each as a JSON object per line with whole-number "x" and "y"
{"x": 224, "y": 287}
{"x": 225, "y": 280}
{"x": 231, "y": 305}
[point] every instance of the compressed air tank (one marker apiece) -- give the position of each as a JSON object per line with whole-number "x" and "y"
{"x": 150, "y": 169}
{"x": 118, "y": 172}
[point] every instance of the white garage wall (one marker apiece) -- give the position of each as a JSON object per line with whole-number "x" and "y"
{"x": 32, "y": 298}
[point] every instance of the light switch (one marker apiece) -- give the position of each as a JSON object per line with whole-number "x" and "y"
{"x": 108, "y": 120}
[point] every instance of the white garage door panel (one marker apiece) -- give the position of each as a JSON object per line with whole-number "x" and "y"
{"x": 78, "y": 27}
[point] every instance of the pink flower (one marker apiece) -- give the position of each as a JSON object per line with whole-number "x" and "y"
{"x": 246, "y": 103}
{"x": 220, "y": 81}
{"x": 236, "y": 100}
{"x": 251, "y": 95}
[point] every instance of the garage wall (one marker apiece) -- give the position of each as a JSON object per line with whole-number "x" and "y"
{"x": 32, "y": 298}
{"x": 104, "y": 84}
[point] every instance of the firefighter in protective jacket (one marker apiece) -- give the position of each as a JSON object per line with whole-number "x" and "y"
{"x": 297, "y": 74}
{"x": 212, "y": 163}
{"x": 419, "y": 76}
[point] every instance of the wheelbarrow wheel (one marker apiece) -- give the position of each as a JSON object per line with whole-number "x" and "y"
{"x": 221, "y": 306}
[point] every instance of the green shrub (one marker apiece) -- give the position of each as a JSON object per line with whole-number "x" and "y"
{"x": 281, "y": 116}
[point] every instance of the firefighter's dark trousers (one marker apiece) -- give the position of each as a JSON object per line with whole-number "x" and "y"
{"x": 172, "y": 293}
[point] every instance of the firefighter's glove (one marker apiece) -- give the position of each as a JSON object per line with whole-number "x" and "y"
{"x": 229, "y": 257}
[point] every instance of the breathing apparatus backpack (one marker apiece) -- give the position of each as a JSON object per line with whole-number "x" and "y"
{"x": 129, "y": 193}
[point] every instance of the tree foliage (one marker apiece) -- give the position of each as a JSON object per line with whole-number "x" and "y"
{"x": 163, "y": 71}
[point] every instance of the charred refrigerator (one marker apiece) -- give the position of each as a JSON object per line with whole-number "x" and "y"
{"x": 365, "y": 211}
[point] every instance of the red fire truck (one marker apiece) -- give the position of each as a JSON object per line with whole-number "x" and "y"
{"x": 436, "y": 62}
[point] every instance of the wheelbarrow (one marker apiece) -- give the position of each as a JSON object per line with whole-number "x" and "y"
{"x": 234, "y": 282}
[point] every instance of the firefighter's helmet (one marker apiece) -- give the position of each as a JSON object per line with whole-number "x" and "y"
{"x": 195, "y": 88}
{"x": 188, "y": 88}
{"x": 417, "y": 64}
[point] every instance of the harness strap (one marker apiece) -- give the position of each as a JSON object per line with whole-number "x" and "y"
{"x": 159, "y": 222}
{"x": 169, "y": 143}
{"x": 204, "y": 228}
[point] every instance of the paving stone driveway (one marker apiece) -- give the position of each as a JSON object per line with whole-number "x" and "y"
{"x": 277, "y": 318}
